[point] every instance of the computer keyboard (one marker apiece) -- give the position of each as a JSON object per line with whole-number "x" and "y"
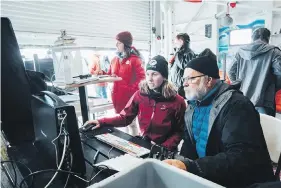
{"x": 123, "y": 145}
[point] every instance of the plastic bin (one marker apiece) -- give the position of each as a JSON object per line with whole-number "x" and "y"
{"x": 151, "y": 173}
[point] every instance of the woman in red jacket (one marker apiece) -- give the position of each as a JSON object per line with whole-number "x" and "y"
{"x": 159, "y": 108}
{"x": 127, "y": 65}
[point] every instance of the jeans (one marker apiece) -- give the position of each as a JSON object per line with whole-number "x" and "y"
{"x": 101, "y": 91}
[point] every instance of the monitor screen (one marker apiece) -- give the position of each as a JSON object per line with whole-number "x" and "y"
{"x": 47, "y": 67}
{"x": 240, "y": 37}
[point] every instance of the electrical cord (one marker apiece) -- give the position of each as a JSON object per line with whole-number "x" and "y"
{"x": 94, "y": 162}
{"x": 12, "y": 181}
{"x": 95, "y": 176}
{"x": 67, "y": 179}
{"x": 51, "y": 80}
{"x": 108, "y": 154}
{"x": 61, "y": 162}
{"x": 83, "y": 142}
{"x": 57, "y": 138}
{"x": 16, "y": 177}
{"x": 44, "y": 171}
{"x": 62, "y": 171}
{"x": 11, "y": 161}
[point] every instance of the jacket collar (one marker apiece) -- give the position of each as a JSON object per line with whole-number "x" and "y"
{"x": 157, "y": 96}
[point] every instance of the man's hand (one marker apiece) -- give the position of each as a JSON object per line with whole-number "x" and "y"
{"x": 176, "y": 163}
{"x": 91, "y": 124}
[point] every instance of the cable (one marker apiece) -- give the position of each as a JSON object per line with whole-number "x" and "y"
{"x": 95, "y": 176}
{"x": 44, "y": 171}
{"x": 62, "y": 159}
{"x": 83, "y": 142}
{"x": 151, "y": 151}
{"x": 94, "y": 162}
{"x": 62, "y": 171}
{"x": 11, "y": 161}
{"x": 108, "y": 154}
{"x": 9, "y": 176}
{"x": 57, "y": 138}
{"x": 51, "y": 80}
{"x": 16, "y": 177}
{"x": 71, "y": 161}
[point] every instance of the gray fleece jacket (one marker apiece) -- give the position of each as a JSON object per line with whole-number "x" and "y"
{"x": 258, "y": 66}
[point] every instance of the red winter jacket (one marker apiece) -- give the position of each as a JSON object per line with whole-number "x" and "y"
{"x": 131, "y": 72}
{"x": 161, "y": 121}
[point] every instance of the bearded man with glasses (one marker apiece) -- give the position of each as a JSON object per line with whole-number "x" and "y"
{"x": 223, "y": 140}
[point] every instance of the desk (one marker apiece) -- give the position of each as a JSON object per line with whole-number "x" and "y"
{"x": 83, "y": 93}
{"x": 27, "y": 154}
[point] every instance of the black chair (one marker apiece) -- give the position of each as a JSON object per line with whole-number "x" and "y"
{"x": 16, "y": 115}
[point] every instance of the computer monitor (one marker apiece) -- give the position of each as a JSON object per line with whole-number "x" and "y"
{"x": 47, "y": 67}
{"x": 29, "y": 65}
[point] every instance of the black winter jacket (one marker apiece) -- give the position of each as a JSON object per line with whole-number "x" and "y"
{"x": 236, "y": 151}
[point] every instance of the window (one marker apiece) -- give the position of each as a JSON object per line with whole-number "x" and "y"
{"x": 240, "y": 37}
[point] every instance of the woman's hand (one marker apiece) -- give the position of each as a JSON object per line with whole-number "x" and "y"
{"x": 91, "y": 124}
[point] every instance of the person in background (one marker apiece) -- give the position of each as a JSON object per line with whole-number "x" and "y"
{"x": 160, "y": 110}
{"x": 181, "y": 58}
{"x": 105, "y": 64}
{"x": 223, "y": 140}
{"x": 258, "y": 66}
{"x": 96, "y": 68}
{"x": 128, "y": 65}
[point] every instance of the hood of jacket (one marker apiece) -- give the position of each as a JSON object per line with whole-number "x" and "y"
{"x": 254, "y": 49}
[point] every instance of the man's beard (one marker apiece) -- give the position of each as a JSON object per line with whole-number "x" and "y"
{"x": 196, "y": 94}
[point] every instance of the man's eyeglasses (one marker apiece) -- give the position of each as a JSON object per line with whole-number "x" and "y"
{"x": 191, "y": 80}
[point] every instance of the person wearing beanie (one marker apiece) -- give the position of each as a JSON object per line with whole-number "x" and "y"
{"x": 183, "y": 55}
{"x": 158, "y": 107}
{"x": 128, "y": 65}
{"x": 223, "y": 139}
{"x": 258, "y": 66}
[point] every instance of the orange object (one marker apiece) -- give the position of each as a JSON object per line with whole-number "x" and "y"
{"x": 96, "y": 68}
{"x": 278, "y": 101}
{"x": 226, "y": 77}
